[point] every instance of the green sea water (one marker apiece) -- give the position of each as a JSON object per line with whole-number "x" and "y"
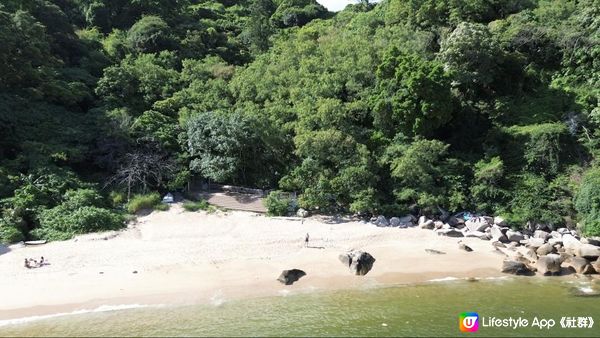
{"x": 430, "y": 309}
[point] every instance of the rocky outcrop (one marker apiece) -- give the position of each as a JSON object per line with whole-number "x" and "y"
{"x": 570, "y": 243}
{"x": 449, "y": 233}
{"x": 359, "y": 262}
{"x": 580, "y": 265}
{"x": 588, "y": 251}
{"x": 499, "y": 221}
{"x": 498, "y": 234}
{"x": 514, "y": 236}
{"x": 516, "y": 268}
{"x": 477, "y": 224}
{"x": 549, "y": 264}
{"x": 545, "y": 249}
{"x": 289, "y": 277}
{"x": 381, "y": 221}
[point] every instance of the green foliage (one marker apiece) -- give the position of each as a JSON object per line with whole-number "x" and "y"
{"x": 226, "y": 147}
{"x": 278, "y": 204}
{"x": 587, "y": 202}
{"x": 150, "y": 34}
{"x": 415, "y": 94}
{"x": 117, "y": 198}
{"x": 425, "y": 174}
{"x": 80, "y": 212}
{"x": 62, "y": 223}
{"x": 488, "y": 191}
{"x": 534, "y": 199}
{"x": 143, "y": 202}
{"x": 196, "y": 206}
{"x": 10, "y": 234}
{"x": 403, "y": 105}
{"x": 162, "y": 207}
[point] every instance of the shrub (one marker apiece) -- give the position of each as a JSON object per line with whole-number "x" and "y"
{"x": 117, "y": 198}
{"x": 277, "y": 204}
{"x": 60, "y": 223}
{"x": 141, "y": 202}
{"x": 587, "y": 202}
{"x": 10, "y": 234}
{"x": 82, "y": 197}
{"x": 195, "y": 206}
{"x": 162, "y": 207}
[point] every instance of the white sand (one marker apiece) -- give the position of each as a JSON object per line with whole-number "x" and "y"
{"x": 184, "y": 257}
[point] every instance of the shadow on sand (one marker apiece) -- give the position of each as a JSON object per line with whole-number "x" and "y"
{"x": 3, "y": 249}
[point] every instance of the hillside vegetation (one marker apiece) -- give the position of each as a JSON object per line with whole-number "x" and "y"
{"x": 404, "y": 106}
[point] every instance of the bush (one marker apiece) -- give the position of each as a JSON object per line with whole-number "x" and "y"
{"x": 277, "y": 204}
{"x": 587, "y": 202}
{"x": 117, "y": 198}
{"x": 60, "y": 223}
{"x": 82, "y": 197}
{"x": 162, "y": 207}
{"x": 195, "y": 206}
{"x": 141, "y": 202}
{"x": 10, "y": 234}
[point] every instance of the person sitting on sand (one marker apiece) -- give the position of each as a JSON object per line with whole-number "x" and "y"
{"x": 42, "y": 261}
{"x": 27, "y": 263}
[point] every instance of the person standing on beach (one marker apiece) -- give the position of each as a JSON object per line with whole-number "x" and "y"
{"x": 306, "y": 240}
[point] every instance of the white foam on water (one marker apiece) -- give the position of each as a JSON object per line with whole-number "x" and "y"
{"x": 497, "y": 278}
{"x": 217, "y": 299}
{"x": 445, "y": 279}
{"x": 284, "y": 292}
{"x": 101, "y": 308}
{"x": 586, "y": 289}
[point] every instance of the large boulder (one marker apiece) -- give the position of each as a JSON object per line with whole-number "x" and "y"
{"x": 477, "y": 234}
{"x": 588, "y": 251}
{"x": 541, "y": 234}
{"x": 549, "y": 264}
{"x": 545, "y": 249}
{"x": 359, "y": 262}
{"x": 498, "y": 234}
{"x": 403, "y": 222}
{"x": 570, "y": 243}
{"x": 449, "y": 233}
{"x": 288, "y": 277}
{"x": 477, "y": 224}
{"x": 428, "y": 224}
{"x": 381, "y": 221}
{"x": 591, "y": 240}
{"x": 516, "y": 268}
{"x": 302, "y": 213}
{"x": 580, "y": 265}
{"x": 514, "y": 236}
{"x": 499, "y": 221}
{"x": 534, "y": 243}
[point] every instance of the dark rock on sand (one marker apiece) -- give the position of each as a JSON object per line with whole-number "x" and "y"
{"x": 359, "y": 262}
{"x": 288, "y": 277}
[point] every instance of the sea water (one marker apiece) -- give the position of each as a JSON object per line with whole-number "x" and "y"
{"x": 429, "y": 309}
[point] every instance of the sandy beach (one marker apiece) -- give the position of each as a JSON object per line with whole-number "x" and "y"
{"x": 179, "y": 257}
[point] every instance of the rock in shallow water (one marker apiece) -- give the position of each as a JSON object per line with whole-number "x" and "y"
{"x": 516, "y": 268}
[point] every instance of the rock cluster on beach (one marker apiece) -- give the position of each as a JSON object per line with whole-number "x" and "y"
{"x": 537, "y": 248}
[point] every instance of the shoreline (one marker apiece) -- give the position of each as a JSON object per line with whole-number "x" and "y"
{"x": 183, "y": 258}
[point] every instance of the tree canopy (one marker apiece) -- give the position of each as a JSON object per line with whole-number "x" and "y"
{"x": 403, "y": 106}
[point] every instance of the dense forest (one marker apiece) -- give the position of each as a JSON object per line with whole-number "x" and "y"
{"x": 403, "y": 106}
